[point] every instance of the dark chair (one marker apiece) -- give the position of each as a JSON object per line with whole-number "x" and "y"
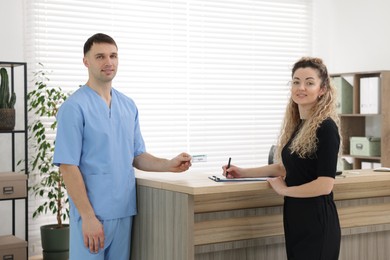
{"x": 271, "y": 154}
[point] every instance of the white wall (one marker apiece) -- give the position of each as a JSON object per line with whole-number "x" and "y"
{"x": 11, "y": 38}
{"x": 350, "y": 35}
{"x": 11, "y": 49}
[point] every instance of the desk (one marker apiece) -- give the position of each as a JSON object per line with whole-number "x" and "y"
{"x": 186, "y": 216}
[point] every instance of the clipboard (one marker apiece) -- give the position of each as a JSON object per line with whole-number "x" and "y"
{"x": 224, "y": 179}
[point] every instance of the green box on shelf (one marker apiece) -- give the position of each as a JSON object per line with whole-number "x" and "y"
{"x": 343, "y": 165}
{"x": 344, "y": 95}
{"x": 365, "y": 146}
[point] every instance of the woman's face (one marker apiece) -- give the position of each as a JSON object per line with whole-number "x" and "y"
{"x": 306, "y": 88}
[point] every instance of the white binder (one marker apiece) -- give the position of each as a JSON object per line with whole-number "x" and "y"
{"x": 369, "y": 95}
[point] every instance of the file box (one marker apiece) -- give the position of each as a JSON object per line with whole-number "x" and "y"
{"x": 344, "y": 95}
{"x": 12, "y": 248}
{"x": 13, "y": 185}
{"x": 365, "y": 146}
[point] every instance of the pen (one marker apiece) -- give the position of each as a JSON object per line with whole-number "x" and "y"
{"x": 230, "y": 158}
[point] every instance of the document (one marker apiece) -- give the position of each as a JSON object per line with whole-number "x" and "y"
{"x": 382, "y": 169}
{"x": 369, "y": 95}
{"x": 224, "y": 179}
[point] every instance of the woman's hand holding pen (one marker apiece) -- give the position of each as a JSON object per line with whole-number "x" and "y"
{"x": 232, "y": 171}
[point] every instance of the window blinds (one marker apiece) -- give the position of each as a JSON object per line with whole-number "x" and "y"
{"x": 208, "y": 76}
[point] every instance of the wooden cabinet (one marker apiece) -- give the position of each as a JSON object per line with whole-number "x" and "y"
{"x": 363, "y": 124}
{"x": 189, "y": 217}
{"x": 13, "y": 175}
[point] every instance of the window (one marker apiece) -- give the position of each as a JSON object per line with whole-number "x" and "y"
{"x": 209, "y": 77}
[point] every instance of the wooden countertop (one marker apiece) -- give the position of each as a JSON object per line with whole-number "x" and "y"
{"x": 351, "y": 184}
{"x": 194, "y": 183}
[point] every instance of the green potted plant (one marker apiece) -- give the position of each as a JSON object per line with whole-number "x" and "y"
{"x": 7, "y": 103}
{"x": 43, "y": 102}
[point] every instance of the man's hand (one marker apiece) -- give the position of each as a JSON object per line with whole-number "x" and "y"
{"x": 150, "y": 163}
{"x": 93, "y": 234}
{"x": 180, "y": 163}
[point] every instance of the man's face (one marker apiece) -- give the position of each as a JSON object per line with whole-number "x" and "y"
{"x": 102, "y": 62}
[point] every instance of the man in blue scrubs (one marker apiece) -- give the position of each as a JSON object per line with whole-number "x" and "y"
{"x": 97, "y": 144}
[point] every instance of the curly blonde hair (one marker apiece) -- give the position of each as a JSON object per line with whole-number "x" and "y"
{"x": 305, "y": 142}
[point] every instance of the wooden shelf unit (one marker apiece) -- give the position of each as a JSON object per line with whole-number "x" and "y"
{"x": 13, "y": 182}
{"x": 355, "y": 124}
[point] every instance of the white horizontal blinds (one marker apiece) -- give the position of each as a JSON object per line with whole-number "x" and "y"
{"x": 239, "y": 55}
{"x": 209, "y": 77}
{"x": 155, "y": 53}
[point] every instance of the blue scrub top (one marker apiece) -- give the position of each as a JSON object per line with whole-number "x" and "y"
{"x": 102, "y": 142}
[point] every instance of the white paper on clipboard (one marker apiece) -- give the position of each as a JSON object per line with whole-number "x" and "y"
{"x": 224, "y": 179}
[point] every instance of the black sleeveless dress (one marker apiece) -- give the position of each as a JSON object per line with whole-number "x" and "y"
{"x": 311, "y": 225}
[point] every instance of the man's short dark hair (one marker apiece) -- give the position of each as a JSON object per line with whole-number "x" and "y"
{"x": 98, "y": 38}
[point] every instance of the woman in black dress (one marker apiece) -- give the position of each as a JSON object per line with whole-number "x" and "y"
{"x": 308, "y": 149}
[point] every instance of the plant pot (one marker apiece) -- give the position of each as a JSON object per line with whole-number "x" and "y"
{"x": 60, "y": 255}
{"x": 55, "y": 242}
{"x": 7, "y": 118}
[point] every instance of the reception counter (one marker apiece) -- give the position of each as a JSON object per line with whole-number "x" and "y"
{"x": 186, "y": 216}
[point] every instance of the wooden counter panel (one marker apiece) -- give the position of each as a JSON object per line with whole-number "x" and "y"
{"x": 356, "y": 186}
{"x": 236, "y": 200}
{"x": 233, "y": 229}
{"x": 163, "y": 227}
{"x": 364, "y": 215}
{"x": 253, "y": 227}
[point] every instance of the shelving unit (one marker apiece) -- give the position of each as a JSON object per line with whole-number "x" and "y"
{"x": 355, "y": 124}
{"x": 13, "y": 182}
